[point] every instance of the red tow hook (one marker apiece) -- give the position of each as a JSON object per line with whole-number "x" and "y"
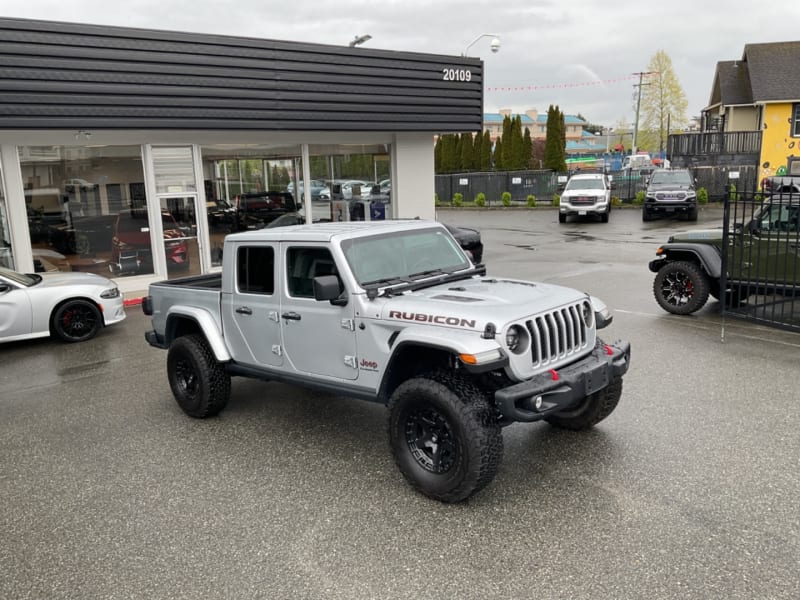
{"x": 609, "y": 349}
{"x": 554, "y": 374}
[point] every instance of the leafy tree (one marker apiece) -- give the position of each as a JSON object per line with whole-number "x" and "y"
{"x": 663, "y": 101}
{"x": 437, "y": 155}
{"x": 555, "y": 141}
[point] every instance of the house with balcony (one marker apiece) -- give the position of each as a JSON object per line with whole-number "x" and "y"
{"x": 752, "y": 121}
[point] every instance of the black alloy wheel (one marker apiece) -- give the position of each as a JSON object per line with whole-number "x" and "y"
{"x": 430, "y": 439}
{"x": 76, "y": 321}
{"x": 681, "y": 288}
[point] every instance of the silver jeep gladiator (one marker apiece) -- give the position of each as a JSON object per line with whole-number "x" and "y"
{"x": 392, "y": 312}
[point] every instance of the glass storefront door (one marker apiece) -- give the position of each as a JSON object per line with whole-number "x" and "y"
{"x": 181, "y": 242}
{"x": 6, "y": 252}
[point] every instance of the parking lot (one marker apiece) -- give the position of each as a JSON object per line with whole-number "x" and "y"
{"x": 690, "y": 489}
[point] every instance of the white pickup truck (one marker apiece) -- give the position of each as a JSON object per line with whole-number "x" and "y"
{"x": 392, "y": 312}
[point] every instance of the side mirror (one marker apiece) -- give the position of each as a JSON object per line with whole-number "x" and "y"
{"x": 328, "y": 287}
{"x": 4, "y": 287}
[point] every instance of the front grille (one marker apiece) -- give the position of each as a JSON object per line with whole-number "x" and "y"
{"x": 583, "y": 200}
{"x": 556, "y": 335}
{"x": 670, "y": 195}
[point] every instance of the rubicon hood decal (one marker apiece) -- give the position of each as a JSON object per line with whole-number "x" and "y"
{"x": 438, "y": 319}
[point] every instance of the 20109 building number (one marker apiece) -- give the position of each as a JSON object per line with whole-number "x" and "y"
{"x": 456, "y": 74}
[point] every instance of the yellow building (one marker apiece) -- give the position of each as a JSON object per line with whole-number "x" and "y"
{"x": 761, "y": 92}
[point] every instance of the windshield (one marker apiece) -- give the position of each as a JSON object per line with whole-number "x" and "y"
{"x": 676, "y": 177}
{"x": 403, "y": 256}
{"x": 20, "y": 278}
{"x": 585, "y": 184}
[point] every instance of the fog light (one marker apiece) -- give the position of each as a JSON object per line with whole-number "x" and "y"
{"x": 538, "y": 403}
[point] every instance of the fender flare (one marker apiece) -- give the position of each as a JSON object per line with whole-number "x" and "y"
{"x": 205, "y": 322}
{"x": 708, "y": 256}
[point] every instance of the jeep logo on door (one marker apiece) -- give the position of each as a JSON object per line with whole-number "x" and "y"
{"x": 368, "y": 365}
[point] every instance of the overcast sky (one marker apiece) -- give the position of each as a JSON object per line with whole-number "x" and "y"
{"x": 552, "y": 45}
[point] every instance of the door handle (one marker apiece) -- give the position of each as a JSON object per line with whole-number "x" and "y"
{"x": 292, "y": 316}
{"x": 244, "y": 310}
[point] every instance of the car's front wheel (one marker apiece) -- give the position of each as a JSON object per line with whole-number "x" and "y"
{"x": 76, "y": 321}
{"x": 444, "y": 435}
{"x": 681, "y": 287}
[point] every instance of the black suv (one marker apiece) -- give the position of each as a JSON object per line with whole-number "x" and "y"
{"x": 670, "y": 192}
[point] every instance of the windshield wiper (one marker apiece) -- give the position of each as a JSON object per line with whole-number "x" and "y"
{"x": 429, "y": 272}
{"x": 386, "y": 281}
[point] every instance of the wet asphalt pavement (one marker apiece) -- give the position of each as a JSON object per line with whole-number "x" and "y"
{"x": 690, "y": 489}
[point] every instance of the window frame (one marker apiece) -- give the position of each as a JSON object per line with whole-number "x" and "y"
{"x": 795, "y": 122}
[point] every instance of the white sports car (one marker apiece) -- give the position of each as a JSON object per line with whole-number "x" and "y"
{"x": 68, "y": 305}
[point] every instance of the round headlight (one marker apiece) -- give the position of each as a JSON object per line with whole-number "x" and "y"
{"x": 587, "y": 314}
{"x": 512, "y": 338}
{"x": 517, "y": 339}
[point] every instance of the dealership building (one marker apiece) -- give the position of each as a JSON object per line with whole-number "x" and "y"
{"x": 124, "y": 151}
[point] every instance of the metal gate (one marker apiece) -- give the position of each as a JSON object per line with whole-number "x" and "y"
{"x": 761, "y": 259}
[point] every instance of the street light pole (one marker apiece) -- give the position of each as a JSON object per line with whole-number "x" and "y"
{"x": 494, "y": 45}
{"x": 641, "y": 75}
{"x": 360, "y": 39}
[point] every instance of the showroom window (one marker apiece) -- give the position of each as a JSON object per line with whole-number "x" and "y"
{"x": 74, "y": 197}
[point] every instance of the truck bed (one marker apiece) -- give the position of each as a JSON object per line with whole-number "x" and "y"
{"x": 211, "y": 281}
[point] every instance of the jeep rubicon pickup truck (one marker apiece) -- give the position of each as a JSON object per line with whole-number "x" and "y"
{"x": 763, "y": 257}
{"x": 393, "y": 312}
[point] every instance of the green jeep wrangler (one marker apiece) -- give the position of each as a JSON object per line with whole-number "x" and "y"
{"x": 763, "y": 257}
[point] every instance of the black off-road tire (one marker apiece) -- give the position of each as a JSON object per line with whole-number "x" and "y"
{"x": 562, "y": 218}
{"x": 681, "y": 287}
{"x": 444, "y": 436}
{"x": 200, "y": 384}
{"x": 591, "y": 410}
{"x": 691, "y": 215}
{"x": 76, "y": 321}
{"x": 605, "y": 215}
{"x": 646, "y": 216}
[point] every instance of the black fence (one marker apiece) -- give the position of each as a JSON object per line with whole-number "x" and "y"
{"x": 543, "y": 185}
{"x": 761, "y": 259}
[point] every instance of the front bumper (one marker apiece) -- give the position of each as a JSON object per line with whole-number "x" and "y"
{"x": 598, "y": 208}
{"x": 669, "y": 208}
{"x": 556, "y": 391}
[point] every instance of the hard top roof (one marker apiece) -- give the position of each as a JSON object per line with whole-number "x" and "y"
{"x": 328, "y": 231}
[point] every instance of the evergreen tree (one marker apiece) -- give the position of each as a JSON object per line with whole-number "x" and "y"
{"x": 449, "y": 158}
{"x": 498, "y": 155}
{"x": 527, "y": 147}
{"x": 555, "y": 142}
{"x": 477, "y": 145}
{"x": 466, "y": 152}
{"x": 517, "y": 144}
{"x": 508, "y": 157}
{"x": 486, "y": 152}
{"x": 437, "y": 155}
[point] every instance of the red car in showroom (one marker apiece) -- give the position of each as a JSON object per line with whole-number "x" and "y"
{"x": 130, "y": 246}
